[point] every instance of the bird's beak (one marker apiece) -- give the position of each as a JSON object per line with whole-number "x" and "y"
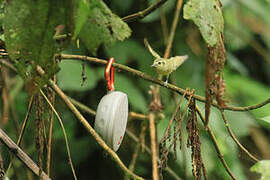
{"x": 153, "y": 65}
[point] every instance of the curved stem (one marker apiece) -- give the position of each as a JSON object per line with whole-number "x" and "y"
{"x": 234, "y": 137}
{"x": 214, "y": 141}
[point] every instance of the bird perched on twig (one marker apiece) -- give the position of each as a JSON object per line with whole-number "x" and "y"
{"x": 165, "y": 66}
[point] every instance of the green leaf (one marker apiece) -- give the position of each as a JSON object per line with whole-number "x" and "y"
{"x": 81, "y": 16}
{"x": 207, "y": 15}
{"x": 29, "y": 27}
{"x": 102, "y": 27}
{"x": 265, "y": 122}
{"x": 262, "y": 167}
{"x": 69, "y": 78}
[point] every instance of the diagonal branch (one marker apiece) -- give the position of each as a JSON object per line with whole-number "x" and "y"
{"x": 17, "y": 151}
{"x": 173, "y": 28}
{"x": 142, "y": 14}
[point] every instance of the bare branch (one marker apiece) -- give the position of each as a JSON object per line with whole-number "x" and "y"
{"x": 173, "y": 28}
{"x": 142, "y": 14}
{"x": 17, "y": 151}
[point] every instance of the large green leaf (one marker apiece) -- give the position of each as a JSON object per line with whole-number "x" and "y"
{"x": 265, "y": 122}
{"x": 81, "y": 16}
{"x": 29, "y": 27}
{"x": 69, "y": 77}
{"x": 262, "y": 167}
{"x": 102, "y": 26}
{"x": 207, "y": 15}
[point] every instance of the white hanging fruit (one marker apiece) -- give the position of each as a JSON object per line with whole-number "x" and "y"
{"x": 112, "y": 112}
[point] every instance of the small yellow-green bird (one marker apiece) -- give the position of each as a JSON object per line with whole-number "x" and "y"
{"x": 165, "y": 66}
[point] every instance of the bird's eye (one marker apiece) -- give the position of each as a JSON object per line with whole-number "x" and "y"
{"x": 159, "y": 63}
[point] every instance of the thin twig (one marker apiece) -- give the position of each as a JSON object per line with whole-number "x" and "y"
{"x": 22, "y": 129}
{"x": 214, "y": 141}
{"x": 153, "y": 145}
{"x": 18, "y": 152}
{"x": 88, "y": 127}
{"x": 51, "y": 95}
{"x": 164, "y": 25}
{"x": 161, "y": 83}
{"x": 173, "y": 28}
{"x": 135, "y": 153}
{"x": 142, "y": 14}
{"x": 64, "y": 132}
{"x": 133, "y": 160}
{"x": 235, "y": 139}
{"x": 153, "y": 80}
{"x": 182, "y": 117}
{"x": 134, "y": 115}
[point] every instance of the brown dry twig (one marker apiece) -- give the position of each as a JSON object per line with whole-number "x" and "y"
{"x": 142, "y": 14}
{"x": 19, "y": 153}
{"x": 173, "y": 28}
{"x": 177, "y": 109}
{"x": 194, "y": 142}
{"x": 29, "y": 107}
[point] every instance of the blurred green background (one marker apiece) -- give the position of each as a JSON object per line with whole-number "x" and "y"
{"x": 246, "y": 72}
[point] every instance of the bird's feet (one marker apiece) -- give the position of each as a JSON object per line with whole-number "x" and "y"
{"x": 166, "y": 83}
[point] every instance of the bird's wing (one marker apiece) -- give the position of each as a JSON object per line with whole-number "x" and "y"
{"x": 177, "y": 61}
{"x": 150, "y": 49}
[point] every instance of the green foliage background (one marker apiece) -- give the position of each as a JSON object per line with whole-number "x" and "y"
{"x": 101, "y": 33}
